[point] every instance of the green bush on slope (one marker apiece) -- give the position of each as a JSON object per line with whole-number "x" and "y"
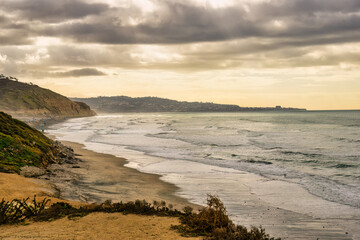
{"x": 22, "y": 145}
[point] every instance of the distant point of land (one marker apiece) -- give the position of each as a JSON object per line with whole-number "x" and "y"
{"x": 118, "y": 104}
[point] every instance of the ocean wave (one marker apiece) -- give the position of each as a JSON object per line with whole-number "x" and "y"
{"x": 311, "y": 155}
{"x": 342, "y": 165}
{"x": 348, "y": 140}
{"x": 332, "y": 190}
{"x": 259, "y": 162}
{"x": 279, "y": 150}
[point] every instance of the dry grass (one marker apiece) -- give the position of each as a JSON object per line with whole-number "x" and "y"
{"x": 211, "y": 222}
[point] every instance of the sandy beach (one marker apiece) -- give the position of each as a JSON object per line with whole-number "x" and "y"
{"x": 15, "y": 186}
{"x": 135, "y": 185}
{"x": 99, "y": 177}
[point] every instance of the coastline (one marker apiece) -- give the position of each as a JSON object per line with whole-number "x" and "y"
{"x": 256, "y": 209}
{"x": 94, "y": 225}
{"x": 135, "y": 185}
{"x": 99, "y": 177}
{"x": 139, "y": 185}
{"x": 104, "y": 173}
{"x": 260, "y": 201}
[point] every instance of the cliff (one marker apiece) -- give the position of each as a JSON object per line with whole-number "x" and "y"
{"x": 19, "y": 98}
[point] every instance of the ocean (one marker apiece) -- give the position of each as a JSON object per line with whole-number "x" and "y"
{"x": 275, "y": 155}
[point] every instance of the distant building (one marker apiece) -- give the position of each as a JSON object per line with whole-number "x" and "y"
{"x": 278, "y": 107}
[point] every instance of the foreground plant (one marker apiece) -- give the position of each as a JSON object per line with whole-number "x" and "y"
{"x": 214, "y": 223}
{"x": 33, "y": 208}
{"x": 10, "y": 212}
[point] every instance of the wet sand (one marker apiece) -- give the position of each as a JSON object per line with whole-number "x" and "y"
{"x": 284, "y": 209}
{"x": 100, "y": 177}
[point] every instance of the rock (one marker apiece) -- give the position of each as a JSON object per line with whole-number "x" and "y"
{"x": 31, "y": 171}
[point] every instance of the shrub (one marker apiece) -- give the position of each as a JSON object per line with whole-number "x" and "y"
{"x": 214, "y": 223}
{"x": 10, "y": 212}
{"x": 56, "y": 211}
{"x": 33, "y": 208}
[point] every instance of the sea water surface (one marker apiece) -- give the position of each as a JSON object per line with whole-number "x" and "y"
{"x": 316, "y": 151}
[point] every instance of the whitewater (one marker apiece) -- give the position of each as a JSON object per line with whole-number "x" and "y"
{"x": 292, "y": 162}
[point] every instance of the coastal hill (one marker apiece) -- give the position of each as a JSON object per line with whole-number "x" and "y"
{"x": 22, "y": 145}
{"x": 17, "y": 98}
{"x": 117, "y": 104}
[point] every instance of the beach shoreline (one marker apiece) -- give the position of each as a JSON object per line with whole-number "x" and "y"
{"x": 260, "y": 201}
{"x": 94, "y": 225}
{"x": 98, "y": 177}
{"x": 277, "y": 221}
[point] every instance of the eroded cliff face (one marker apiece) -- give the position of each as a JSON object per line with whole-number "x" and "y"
{"x": 17, "y": 98}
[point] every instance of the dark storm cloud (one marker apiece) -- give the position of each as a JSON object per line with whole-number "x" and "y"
{"x": 96, "y": 34}
{"x": 175, "y": 23}
{"x": 84, "y": 72}
{"x": 308, "y": 7}
{"x": 13, "y": 32}
{"x": 14, "y": 38}
{"x": 27, "y": 19}
{"x": 181, "y": 22}
{"x": 53, "y": 11}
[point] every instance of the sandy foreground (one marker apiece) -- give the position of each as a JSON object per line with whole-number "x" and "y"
{"x": 96, "y": 226}
{"x": 135, "y": 185}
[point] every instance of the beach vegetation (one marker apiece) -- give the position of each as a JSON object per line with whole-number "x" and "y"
{"x": 18, "y": 210}
{"x": 22, "y": 145}
{"x": 32, "y": 208}
{"x": 10, "y": 212}
{"x": 211, "y": 222}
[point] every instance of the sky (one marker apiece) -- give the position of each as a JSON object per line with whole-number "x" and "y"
{"x": 254, "y": 53}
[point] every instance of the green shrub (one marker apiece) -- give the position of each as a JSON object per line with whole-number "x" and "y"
{"x": 212, "y": 222}
{"x": 22, "y": 145}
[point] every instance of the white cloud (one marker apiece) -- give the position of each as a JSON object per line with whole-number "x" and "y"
{"x": 3, "y": 58}
{"x": 38, "y": 57}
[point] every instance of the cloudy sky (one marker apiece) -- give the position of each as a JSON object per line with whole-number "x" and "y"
{"x": 298, "y": 53}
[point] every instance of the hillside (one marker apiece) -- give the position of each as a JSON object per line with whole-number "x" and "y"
{"x": 19, "y": 98}
{"x": 21, "y": 145}
{"x": 153, "y": 104}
